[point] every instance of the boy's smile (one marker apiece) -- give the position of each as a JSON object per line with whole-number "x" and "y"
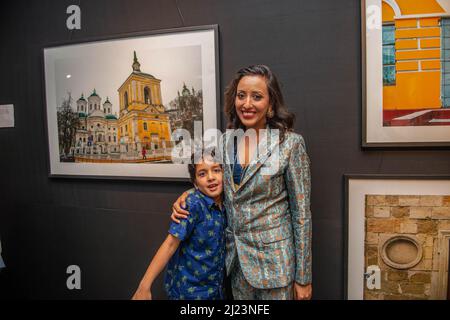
{"x": 213, "y": 187}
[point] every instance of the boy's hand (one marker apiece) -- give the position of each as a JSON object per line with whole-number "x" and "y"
{"x": 142, "y": 294}
{"x": 177, "y": 209}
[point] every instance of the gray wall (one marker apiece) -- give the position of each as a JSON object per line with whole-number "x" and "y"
{"x": 112, "y": 228}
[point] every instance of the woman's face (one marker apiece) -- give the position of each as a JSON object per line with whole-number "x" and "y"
{"x": 252, "y": 102}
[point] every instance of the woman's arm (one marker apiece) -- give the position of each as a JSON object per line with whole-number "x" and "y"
{"x": 162, "y": 256}
{"x": 177, "y": 209}
{"x": 298, "y": 183}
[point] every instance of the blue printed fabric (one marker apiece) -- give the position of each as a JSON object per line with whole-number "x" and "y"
{"x": 237, "y": 168}
{"x": 196, "y": 270}
{"x": 237, "y": 172}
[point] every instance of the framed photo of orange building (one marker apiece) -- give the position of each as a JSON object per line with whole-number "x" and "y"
{"x": 406, "y": 73}
{"x": 113, "y": 104}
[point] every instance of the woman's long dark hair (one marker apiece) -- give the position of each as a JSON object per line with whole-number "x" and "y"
{"x": 282, "y": 119}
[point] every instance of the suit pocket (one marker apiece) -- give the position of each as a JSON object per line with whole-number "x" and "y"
{"x": 274, "y": 235}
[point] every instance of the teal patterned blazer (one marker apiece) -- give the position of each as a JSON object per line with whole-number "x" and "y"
{"x": 269, "y": 217}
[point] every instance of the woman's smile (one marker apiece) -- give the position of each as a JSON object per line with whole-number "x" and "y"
{"x": 248, "y": 115}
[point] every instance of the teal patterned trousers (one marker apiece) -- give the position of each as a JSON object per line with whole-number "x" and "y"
{"x": 242, "y": 290}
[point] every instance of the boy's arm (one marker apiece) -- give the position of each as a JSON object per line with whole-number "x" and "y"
{"x": 162, "y": 256}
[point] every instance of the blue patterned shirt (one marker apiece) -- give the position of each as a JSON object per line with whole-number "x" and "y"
{"x": 196, "y": 270}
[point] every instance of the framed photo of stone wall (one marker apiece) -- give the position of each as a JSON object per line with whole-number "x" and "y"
{"x": 397, "y": 237}
{"x": 113, "y": 104}
{"x": 406, "y": 73}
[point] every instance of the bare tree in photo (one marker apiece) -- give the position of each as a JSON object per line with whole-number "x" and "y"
{"x": 186, "y": 108}
{"x": 68, "y": 122}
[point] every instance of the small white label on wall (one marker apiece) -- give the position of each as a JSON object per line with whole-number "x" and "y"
{"x": 6, "y": 116}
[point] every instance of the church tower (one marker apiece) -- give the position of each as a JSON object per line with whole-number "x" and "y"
{"x": 94, "y": 102}
{"x": 82, "y": 105}
{"x": 143, "y": 120}
{"x": 107, "y": 106}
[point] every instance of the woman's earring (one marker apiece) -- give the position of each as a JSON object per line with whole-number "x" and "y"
{"x": 270, "y": 114}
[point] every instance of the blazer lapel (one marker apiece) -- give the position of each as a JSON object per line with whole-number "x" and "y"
{"x": 265, "y": 148}
{"x": 227, "y": 164}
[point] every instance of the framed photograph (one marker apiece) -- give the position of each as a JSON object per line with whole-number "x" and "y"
{"x": 397, "y": 237}
{"x": 406, "y": 73}
{"x": 113, "y": 104}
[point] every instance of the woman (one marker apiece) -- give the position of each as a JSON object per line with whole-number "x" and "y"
{"x": 266, "y": 194}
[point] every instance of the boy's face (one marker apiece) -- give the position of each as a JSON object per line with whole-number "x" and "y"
{"x": 208, "y": 178}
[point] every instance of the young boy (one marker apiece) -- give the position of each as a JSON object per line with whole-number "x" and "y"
{"x": 196, "y": 246}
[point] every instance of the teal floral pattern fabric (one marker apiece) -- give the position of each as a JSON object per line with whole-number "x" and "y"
{"x": 269, "y": 217}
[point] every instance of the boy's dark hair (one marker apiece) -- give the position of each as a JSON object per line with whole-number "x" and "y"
{"x": 210, "y": 152}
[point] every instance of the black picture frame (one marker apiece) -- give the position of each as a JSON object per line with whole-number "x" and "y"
{"x": 216, "y": 118}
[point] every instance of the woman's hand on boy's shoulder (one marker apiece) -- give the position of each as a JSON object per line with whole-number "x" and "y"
{"x": 178, "y": 208}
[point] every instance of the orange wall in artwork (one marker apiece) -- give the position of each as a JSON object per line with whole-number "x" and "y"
{"x": 414, "y": 90}
{"x": 418, "y": 54}
{"x": 387, "y": 12}
{"x": 419, "y": 7}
